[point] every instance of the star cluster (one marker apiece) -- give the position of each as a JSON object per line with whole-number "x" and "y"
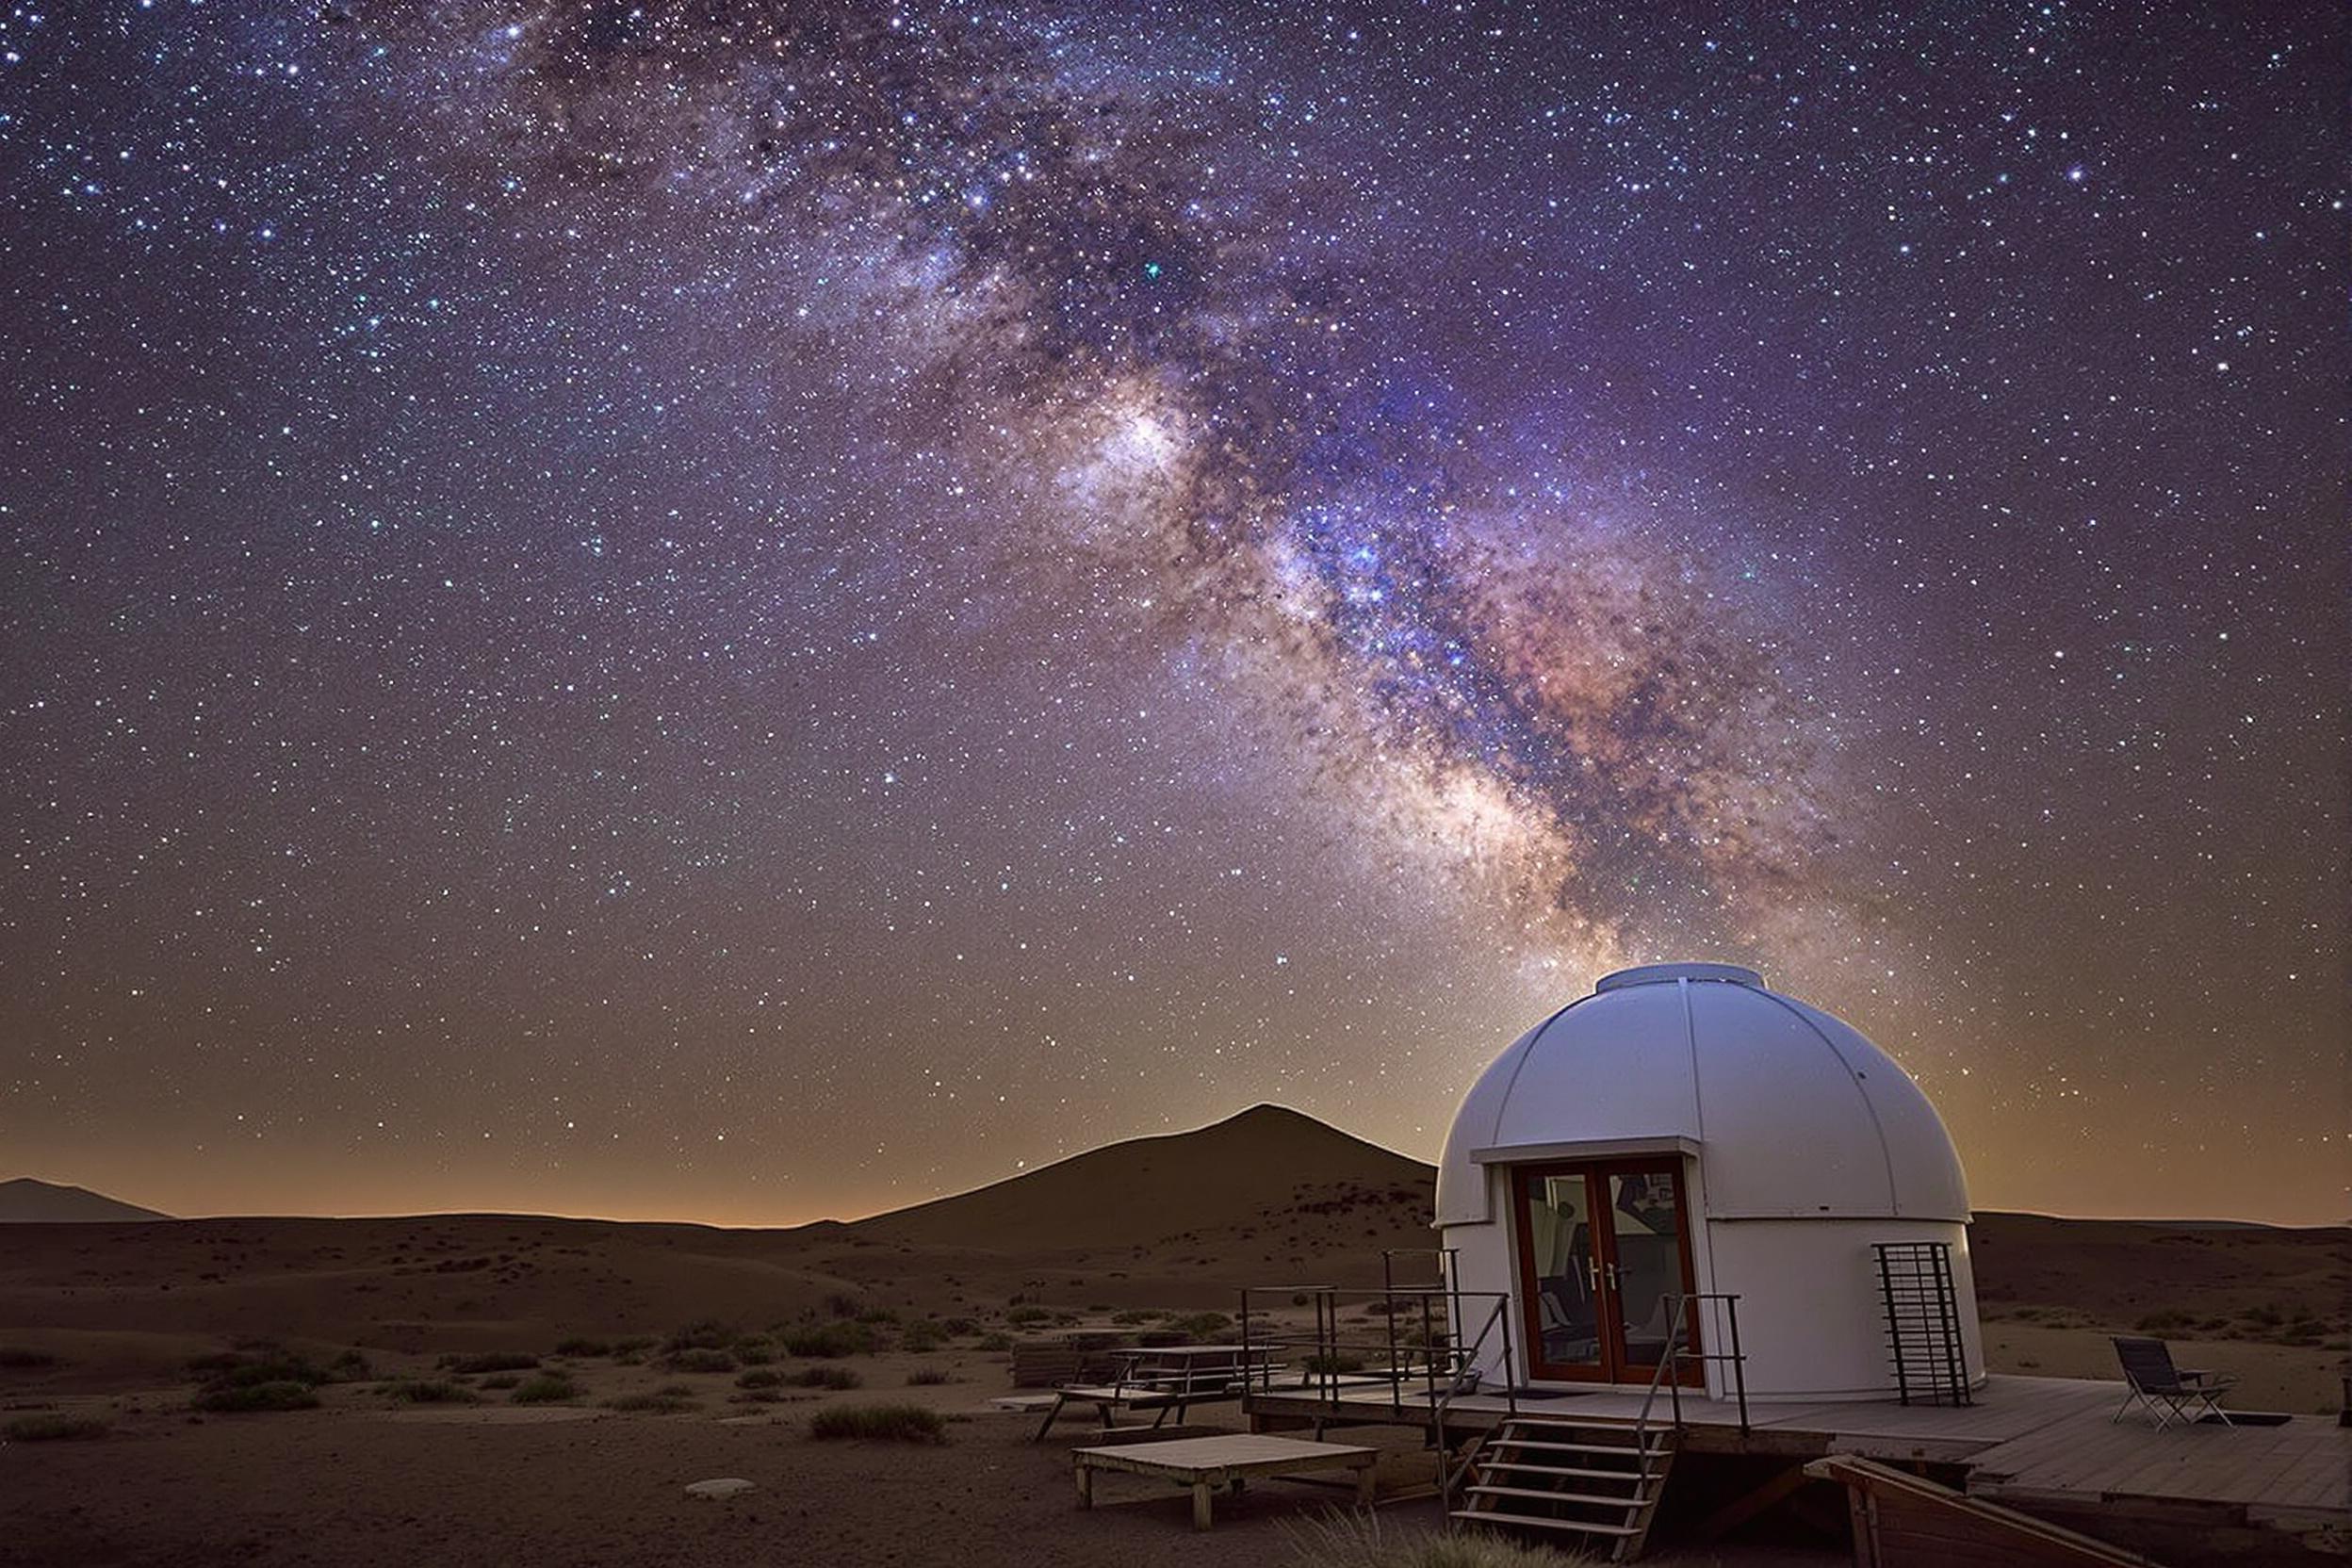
{"x": 758, "y": 609}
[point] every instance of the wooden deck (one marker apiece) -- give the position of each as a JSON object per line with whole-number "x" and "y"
{"x": 2035, "y": 1443}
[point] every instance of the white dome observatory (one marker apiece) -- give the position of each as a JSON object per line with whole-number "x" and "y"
{"x": 1684, "y": 1131}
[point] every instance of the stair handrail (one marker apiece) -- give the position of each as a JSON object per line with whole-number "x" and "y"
{"x": 1669, "y": 1368}
{"x": 1449, "y": 1475}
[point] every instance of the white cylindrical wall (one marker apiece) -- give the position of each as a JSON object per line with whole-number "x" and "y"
{"x": 1812, "y": 1320}
{"x": 1483, "y": 1267}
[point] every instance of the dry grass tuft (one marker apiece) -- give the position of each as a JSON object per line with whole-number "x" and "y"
{"x": 878, "y": 1424}
{"x": 1366, "y": 1541}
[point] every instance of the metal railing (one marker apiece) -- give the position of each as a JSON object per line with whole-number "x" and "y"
{"x": 1669, "y": 1368}
{"x": 1449, "y": 1475}
{"x": 1420, "y": 1339}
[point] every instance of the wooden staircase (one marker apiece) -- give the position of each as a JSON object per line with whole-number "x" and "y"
{"x": 1596, "y": 1486}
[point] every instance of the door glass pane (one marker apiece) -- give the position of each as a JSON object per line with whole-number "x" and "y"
{"x": 1559, "y": 1236}
{"x": 1647, "y": 1224}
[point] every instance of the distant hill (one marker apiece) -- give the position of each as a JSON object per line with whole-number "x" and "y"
{"x": 1232, "y": 1174}
{"x": 26, "y": 1201}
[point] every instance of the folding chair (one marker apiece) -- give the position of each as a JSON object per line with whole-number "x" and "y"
{"x": 2151, "y": 1379}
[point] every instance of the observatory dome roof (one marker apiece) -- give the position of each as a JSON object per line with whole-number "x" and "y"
{"x": 1794, "y": 1113}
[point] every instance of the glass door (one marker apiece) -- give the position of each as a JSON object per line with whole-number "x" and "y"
{"x": 1560, "y": 1271}
{"x": 1603, "y": 1249}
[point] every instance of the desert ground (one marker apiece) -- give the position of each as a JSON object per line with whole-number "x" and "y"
{"x": 498, "y": 1389}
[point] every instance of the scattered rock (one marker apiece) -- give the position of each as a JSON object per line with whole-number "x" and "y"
{"x": 723, "y": 1486}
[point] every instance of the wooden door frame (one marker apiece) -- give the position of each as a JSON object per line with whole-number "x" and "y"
{"x": 1608, "y": 1314}
{"x": 1530, "y": 1290}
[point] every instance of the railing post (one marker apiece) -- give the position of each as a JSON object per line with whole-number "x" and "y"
{"x": 1739, "y": 1363}
{"x": 1511, "y": 1359}
{"x": 1245, "y": 1347}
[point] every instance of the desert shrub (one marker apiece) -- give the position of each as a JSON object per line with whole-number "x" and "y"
{"x": 433, "y": 1391}
{"x": 826, "y": 1377}
{"x": 578, "y": 1346}
{"x": 922, "y": 1336}
{"x": 765, "y": 1377}
{"x": 250, "y": 1368}
{"x": 699, "y": 1359}
{"x": 661, "y": 1402}
{"x": 492, "y": 1361}
{"x": 841, "y": 1337}
{"x": 547, "y": 1388}
{"x": 924, "y": 1376}
{"x": 1366, "y": 1541}
{"x": 996, "y": 1341}
{"x": 877, "y": 1315}
{"x": 959, "y": 1327}
{"x": 2166, "y": 1321}
{"x": 755, "y": 1349}
{"x": 1342, "y": 1361}
{"x": 1205, "y": 1324}
{"x": 1025, "y": 1317}
{"x": 25, "y": 1356}
{"x": 279, "y": 1394}
{"x": 840, "y": 1305}
{"x": 705, "y": 1334}
{"x": 634, "y": 1345}
{"x": 54, "y": 1427}
{"x": 1138, "y": 1316}
{"x": 878, "y": 1424}
{"x": 504, "y": 1379}
{"x": 351, "y": 1367}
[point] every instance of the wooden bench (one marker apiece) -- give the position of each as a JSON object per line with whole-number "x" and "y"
{"x": 1205, "y": 1463}
{"x": 1048, "y": 1364}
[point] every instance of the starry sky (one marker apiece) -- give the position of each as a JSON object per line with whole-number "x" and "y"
{"x": 751, "y": 611}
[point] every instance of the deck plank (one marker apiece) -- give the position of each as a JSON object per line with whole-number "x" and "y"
{"x": 2043, "y": 1437}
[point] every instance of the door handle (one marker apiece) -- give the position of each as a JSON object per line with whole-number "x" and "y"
{"x": 1593, "y": 1275}
{"x": 1615, "y": 1283}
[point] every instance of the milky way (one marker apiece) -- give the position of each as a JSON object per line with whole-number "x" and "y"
{"x": 764, "y": 608}
{"x": 1146, "y": 296}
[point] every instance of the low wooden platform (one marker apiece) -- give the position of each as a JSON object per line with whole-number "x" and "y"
{"x": 2045, "y": 1445}
{"x": 1205, "y": 1463}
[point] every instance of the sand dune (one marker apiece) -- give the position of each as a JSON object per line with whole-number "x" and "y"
{"x": 27, "y": 1200}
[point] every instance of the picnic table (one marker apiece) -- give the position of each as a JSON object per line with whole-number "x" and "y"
{"x": 1205, "y": 1463}
{"x": 1165, "y": 1378}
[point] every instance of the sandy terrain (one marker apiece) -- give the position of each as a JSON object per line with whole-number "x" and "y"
{"x": 102, "y": 1319}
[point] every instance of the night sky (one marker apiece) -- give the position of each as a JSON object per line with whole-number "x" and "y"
{"x": 752, "y": 610}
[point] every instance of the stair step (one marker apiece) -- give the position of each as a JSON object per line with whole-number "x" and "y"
{"x": 1637, "y": 1476}
{"x": 1579, "y": 1447}
{"x": 1629, "y": 1504}
{"x": 1480, "y": 1516}
{"x": 1657, "y": 1442}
